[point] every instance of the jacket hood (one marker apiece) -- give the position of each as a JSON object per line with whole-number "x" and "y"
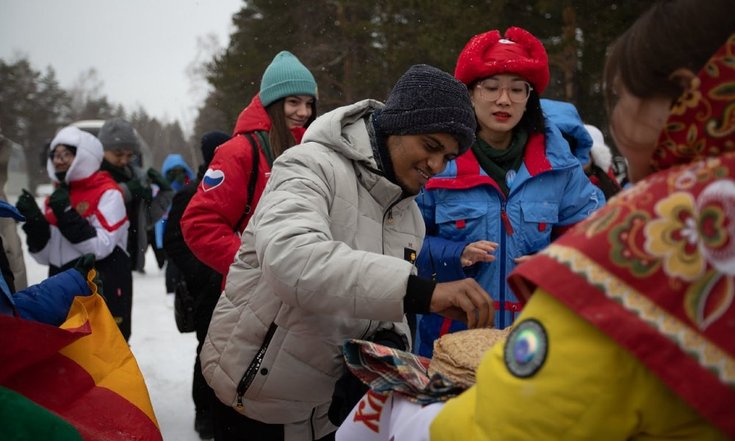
{"x": 566, "y": 118}
{"x": 601, "y": 154}
{"x": 558, "y": 151}
{"x": 176, "y": 160}
{"x": 88, "y": 156}
{"x": 342, "y": 130}
{"x": 253, "y": 118}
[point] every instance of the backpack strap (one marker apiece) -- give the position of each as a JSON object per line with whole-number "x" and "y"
{"x": 252, "y": 182}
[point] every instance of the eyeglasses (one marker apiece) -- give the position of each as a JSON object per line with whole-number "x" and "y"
{"x": 61, "y": 155}
{"x": 518, "y": 91}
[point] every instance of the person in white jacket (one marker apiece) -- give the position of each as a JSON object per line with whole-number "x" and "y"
{"x": 84, "y": 215}
{"x": 329, "y": 255}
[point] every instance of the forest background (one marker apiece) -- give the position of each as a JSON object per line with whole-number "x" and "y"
{"x": 356, "y": 50}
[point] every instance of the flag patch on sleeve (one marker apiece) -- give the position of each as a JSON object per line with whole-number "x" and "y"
{"x": 212, "y": 179}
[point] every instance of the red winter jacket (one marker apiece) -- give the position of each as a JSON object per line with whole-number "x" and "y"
{"x": 210, "y": 222}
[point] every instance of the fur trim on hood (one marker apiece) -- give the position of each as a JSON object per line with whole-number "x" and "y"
{"x": 88, "y": 155}
{"x": 600, "y": 153}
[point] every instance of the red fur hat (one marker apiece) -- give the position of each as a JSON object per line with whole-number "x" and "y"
{"x": 519, "y": 52}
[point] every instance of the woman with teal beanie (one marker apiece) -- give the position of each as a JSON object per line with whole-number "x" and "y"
{"x": 229, "y": 190}
{"x": 275, "y": 120}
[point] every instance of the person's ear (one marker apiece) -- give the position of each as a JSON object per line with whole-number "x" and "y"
{"x": 683, "y": 77}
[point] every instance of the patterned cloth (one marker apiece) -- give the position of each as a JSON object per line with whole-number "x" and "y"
{"x": 386, "y": 370}
{"x": 655, "y": 268}
{"x": 702, "y": 122}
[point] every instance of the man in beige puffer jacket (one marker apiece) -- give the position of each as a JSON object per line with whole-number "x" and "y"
{"x": 328, "y": 256}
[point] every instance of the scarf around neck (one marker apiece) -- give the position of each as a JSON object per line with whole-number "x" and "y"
{"x": 496, "y": 162}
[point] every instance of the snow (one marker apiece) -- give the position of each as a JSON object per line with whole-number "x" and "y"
{"x": 165, "y": 356}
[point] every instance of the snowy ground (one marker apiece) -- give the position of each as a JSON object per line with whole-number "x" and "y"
{"x": 165, "y": 356}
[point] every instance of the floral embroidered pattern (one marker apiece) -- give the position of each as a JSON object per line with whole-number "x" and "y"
{"x": 690, "y": 99}
{"x": 674, "y": 237}
{"x": 699, "y": 172}
{"x": 709, "y": 298}
{"x": 702, "y": 121}
{"x": 716, "y": 207}
{"x": 601, "y": 221}
{"x": 626, "y": 245}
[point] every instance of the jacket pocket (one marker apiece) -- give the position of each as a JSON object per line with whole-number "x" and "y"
{"x": 460, "y": 221}
{"x": 538, "y": 219}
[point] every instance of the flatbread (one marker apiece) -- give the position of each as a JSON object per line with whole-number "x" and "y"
{"x": 457, "y": 355}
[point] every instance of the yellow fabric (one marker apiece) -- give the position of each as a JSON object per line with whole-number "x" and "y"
{"x": 589, "y": 388}
{"x": 105, "y": 354}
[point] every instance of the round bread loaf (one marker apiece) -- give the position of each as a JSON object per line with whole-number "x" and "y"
{"x": 457, "y": 355}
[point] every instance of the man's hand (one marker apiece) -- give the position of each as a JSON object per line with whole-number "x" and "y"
{"x": 463, "y": 300}
{"x": 480, "y": 251}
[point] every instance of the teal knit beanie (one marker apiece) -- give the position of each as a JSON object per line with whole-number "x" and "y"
{"x": 286, "y": 76}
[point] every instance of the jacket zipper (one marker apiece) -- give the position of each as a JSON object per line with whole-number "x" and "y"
{"x": 311, "y": 423}
{"x": 506, "y": 228}
{"x": 504, "y": 217}
{"x": 254, "y": 366}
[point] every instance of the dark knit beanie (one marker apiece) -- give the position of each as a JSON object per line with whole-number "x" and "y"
{"x": 118, "y": 133}
{"x": 210, "y": 142}
{"x": 428, "y": 100}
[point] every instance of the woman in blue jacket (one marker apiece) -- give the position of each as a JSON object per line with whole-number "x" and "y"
{"x": 517, "y": 189}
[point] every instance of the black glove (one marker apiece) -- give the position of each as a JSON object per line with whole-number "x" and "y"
{"x": 158, "y": 179}
{"x": 85, "y": 266}
{"x": 28, "y": 207}
{"x": 36, "y": 227}
{"x": 139, "y": 190}
{"x": 59, "y": 201}
{"x": 70, "y": 223}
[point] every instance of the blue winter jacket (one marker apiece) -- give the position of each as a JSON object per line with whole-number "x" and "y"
{"x": 176, "y": 160}
{"x": 173, "y": 160}
{"x": 46, "y": 302}
{"x": 548, "y": 194}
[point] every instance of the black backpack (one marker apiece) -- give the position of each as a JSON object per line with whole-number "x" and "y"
{"x": 184, "y": 300}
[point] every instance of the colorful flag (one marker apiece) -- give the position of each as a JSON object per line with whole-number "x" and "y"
{"x": 82, "y": 371}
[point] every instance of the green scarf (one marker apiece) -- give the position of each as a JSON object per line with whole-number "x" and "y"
{"x": 496, "y": 162}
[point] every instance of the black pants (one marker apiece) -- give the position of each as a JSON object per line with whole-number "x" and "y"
{"x": 232, "y": 426}
{"x": 202, "y": 394}
{"x": 117, "y": 287}
{"x": 173, "y": 276}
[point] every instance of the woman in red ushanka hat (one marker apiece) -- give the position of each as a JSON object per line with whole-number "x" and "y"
{"x": 514, "y": 191}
